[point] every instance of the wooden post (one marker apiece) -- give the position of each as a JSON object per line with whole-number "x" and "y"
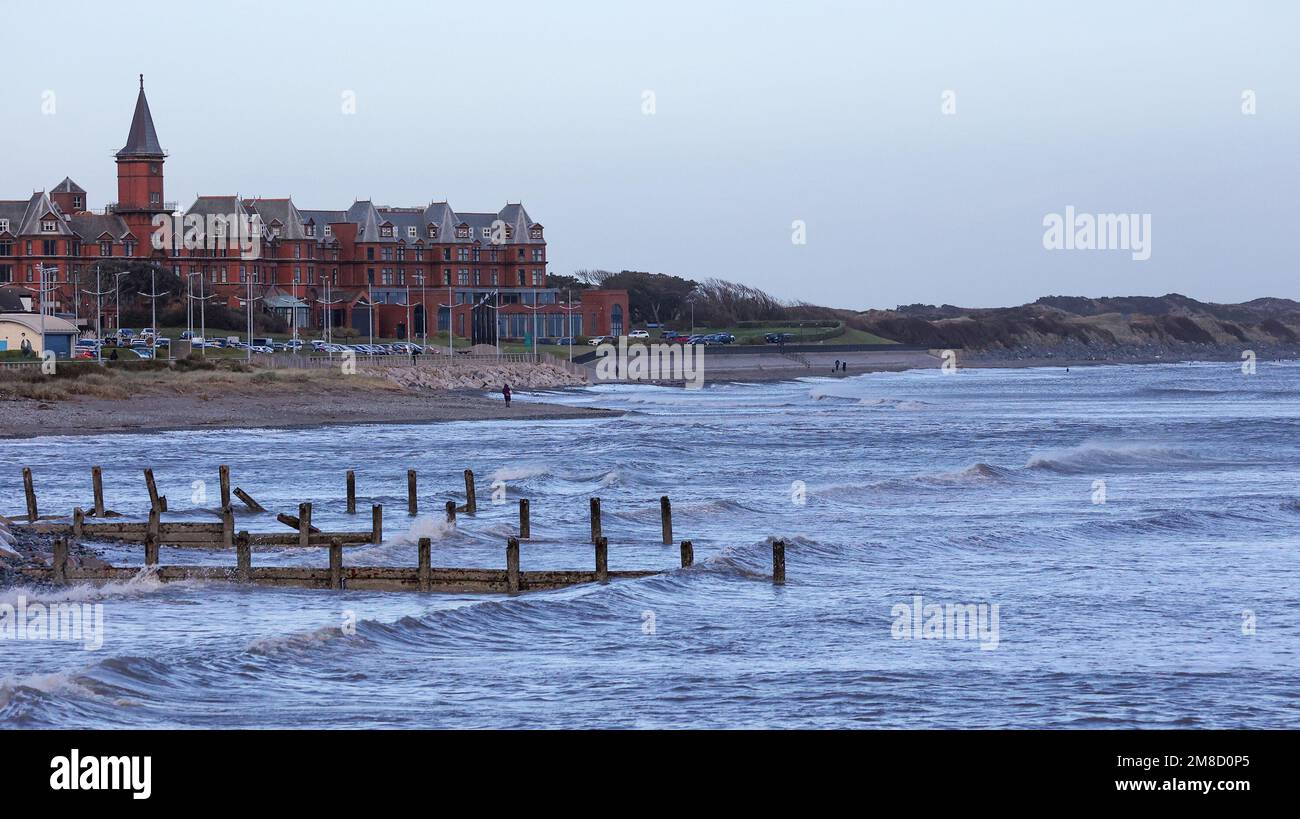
{"x": 156, "y": 501}
{"x": 243, "y": 558}
{"x": 151, "y": 538}
{"x": 336, "y": 563}
{"x": 688, "y": 554}
{"x": 471, "y": 504}
{"x": 225, "y": 485}
{"x": 451, "y": 511}
{"x": 666, "y": 517}
{"x": 377, "y": 523}
{"x": 525, "y": 525}
{"x": 60, "y": 561}
{"x": 412, "y": 504}
{"x": 304, "y": 525}
{"x": 512, "y": 565}
{"x": 248, "y": 500}
{"x": 595, "y": 520}
{"x": 602, "y": 560}
{"x": 227, "y": 527}
{"x": 352, "y": 492}
{"x": 778, "y": 562}
{"x": 78, "y": 523}
{"x": 97, "y": 481}
{"x": 424, "y": 544}
{"x": 30, "y": 491}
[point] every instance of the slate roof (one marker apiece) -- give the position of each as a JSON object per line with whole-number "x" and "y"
{"x": 68, "y": 186}
{"x": 142, "y": 140}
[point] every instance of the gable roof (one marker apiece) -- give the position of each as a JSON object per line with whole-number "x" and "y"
{"x": 38, "y": 207}
{"x": 68, "y": 186}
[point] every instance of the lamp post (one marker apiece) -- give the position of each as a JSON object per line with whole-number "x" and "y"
{"x": 153, "y": 297}
{"x": 99, "y": 313}
{"x": 248, "y": 303}
{"x": 203, "y": 312}
{"x": 41, "y": 292}
{"x": 451, "y": 315}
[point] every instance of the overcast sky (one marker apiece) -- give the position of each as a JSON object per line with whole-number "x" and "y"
{"x": 764, "y": 114}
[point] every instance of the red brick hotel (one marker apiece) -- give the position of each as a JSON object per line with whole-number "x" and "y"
{"x": 396, "y": 264}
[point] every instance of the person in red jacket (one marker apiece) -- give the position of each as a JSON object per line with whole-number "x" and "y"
{"x": 506, "y": 392}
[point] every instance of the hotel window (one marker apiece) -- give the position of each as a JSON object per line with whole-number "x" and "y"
{"x": 537, "y": 254}
{"x": 487, "y": 232}
{"x": 49, "y": 226}
{"x": 128, "y": 248}
{"x": 522, "y": 280}
{"x": 446, "y": 277}
{"x": 462, "y": 233}
{"x": 311, "y": 274}
{"x": 401, "y": 277}
{"x": 494, "y": 278}
{"x": 419, "y": 254}
{"x": 49, "y": 247}
{"x": 370, "y": 254}
{"x": 297, "y": 251}
{"x": 462, "y": 277}
{"x": 6, "y": 273}
{"x": 297, "y": 275}
{"x": 223, "y": 274}
{"x": 76, "y": 203}
{"x": 155, "y": 198}
{"x": 275, "y": 231}
{"x": 4, "y": 225}
{"x": 106, "y": 248}
{"x": 387, "y": 253}
{"x": 521, "y": 254}
{"x": 311, "y": 230}
{"x": 370, "y": 275}
{"x": 6, "y": 248}
{"x": 433, "y": 232}
{"x": 477, "y": 278}
{"x": 446, "y": 254}
{"x": 535, "y": 233}
{"x": 462, "y": 254}
{"x": 329, "y": 231}
{"x": 401, "y": 254}
{"x": 243, "y": 274}
{"x": 387, "y": 275}
{"x": 411, "y": 232}
{"x": 386, "y": 231}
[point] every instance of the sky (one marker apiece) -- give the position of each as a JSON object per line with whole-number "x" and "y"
{"x": 856, "y": 154}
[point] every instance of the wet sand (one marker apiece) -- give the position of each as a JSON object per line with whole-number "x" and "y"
{"x": 29, "y": 418}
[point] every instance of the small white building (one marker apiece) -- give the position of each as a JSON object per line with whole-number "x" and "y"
{"x": 23, "y": 331}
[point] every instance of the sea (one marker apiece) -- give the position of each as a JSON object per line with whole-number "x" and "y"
{"x": 1098, "y": 547}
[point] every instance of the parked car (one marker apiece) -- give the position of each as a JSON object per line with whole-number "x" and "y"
{"x": 261, "y": 348}
{"x": 695, "y": 339}
{"x": 564, "y": 342}
{"x": 162, "y": 341}
{"x": 596, "y": 340}
{"x": 638, "y": 334}
{"x": 777, "y": 338}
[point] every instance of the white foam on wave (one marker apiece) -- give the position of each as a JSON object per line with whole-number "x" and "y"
{"x": 144, "y": 582}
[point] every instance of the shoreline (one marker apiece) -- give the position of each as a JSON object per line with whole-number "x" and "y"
{"x": 28, "y": 419}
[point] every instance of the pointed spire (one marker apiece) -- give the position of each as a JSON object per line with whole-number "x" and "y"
{"x": 142, "y": 141}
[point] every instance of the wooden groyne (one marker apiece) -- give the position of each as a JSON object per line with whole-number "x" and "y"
{"x": 154, "y": 533}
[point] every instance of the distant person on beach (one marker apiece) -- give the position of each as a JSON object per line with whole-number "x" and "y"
{"x": 506, "y": 392}
{"x": 837, "y": 365}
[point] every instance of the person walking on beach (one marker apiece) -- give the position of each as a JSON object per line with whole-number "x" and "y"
{"x": 837, "y": 365}
{"x": 505, "y": 391}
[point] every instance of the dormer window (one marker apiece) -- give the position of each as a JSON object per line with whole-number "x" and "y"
{"x": 275, "y": 231}
{"x": 311, "y": 230}
{"x": 49, "y": 226}
{"x": 4, "y": 225}
{"x": 462, "y": 233}
{"x": 386, "y": 231}
{"x": 433, "y": 232}
{"x": 411, "y": 233}
{"x": 535, "y": 233}
{"x": 487, "y": 232}
{"x": 329, "y": 231}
